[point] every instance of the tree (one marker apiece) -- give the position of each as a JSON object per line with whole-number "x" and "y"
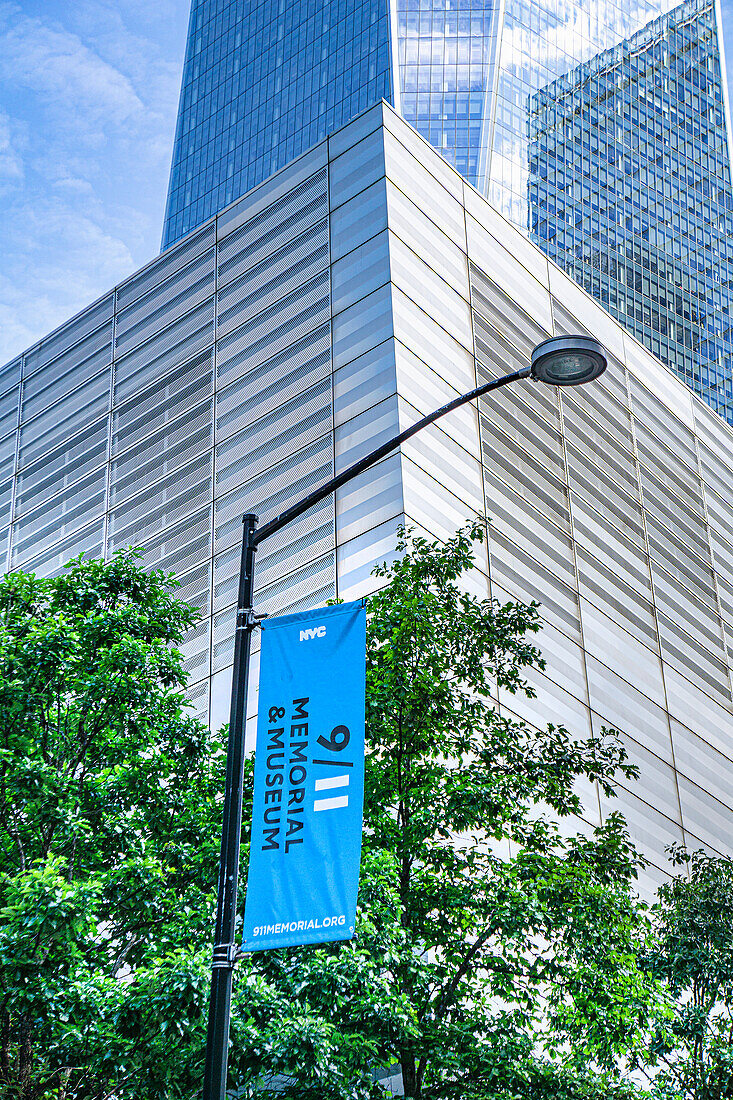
{"x": 511, "y": 955}
{"x": 108, "y": 837}
{"x": 495, "y": 957}
{"x": 691, "y": 952}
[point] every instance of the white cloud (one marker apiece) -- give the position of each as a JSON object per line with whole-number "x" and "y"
{"x": 89, "y": 90}
{"x": 11, "y": 161}
{"x": 74, "y": 82}
{"x": 74, "y": 184}
{"x": 63, "y": 261}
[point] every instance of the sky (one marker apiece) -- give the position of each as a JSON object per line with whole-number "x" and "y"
{"x": 88, "y": 100}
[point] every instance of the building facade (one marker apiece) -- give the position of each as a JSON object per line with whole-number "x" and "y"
{"x": 640, "y": 211}
{"x": 264, "y": 80}
{"x": 358, "y": 288}
{"x": 514, "y": 94}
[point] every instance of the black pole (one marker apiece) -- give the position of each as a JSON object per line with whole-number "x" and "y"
{"x": 225, "y": 948}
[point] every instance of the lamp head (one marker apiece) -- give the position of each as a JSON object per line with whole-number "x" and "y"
{"x": 568, "y": 360}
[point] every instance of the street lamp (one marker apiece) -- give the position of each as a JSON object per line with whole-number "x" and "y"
{"x": 562, "y": 361}
{"x": 568, "y": 360}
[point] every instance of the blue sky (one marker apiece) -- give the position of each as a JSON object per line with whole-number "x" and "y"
{"x": 88, "y": 99}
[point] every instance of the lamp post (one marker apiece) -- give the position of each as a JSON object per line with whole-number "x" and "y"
{"x": 562, "y": 361}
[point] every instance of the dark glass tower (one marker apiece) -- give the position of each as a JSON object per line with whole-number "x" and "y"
{"x": 630, "y": 192}
{"x": 263, "y": 81}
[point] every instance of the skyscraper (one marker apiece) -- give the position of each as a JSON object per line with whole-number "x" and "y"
{"x": 263, "y": 81}
{"x": 642, "y": 216}
{"x": 478, "y": 79}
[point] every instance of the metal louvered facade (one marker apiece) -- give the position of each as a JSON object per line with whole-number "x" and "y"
{"x": 356, "y": 290}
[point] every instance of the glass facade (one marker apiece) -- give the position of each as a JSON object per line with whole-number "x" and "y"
{"x": 540, "y": 42}
{"x": 359, "y": 288}
{"x": 447, "y": 56}
{"x": 630, "y": 192}
{"x": 263, "y": 81}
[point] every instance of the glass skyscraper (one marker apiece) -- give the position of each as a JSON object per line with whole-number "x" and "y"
{"x": 602, "y": 133}
{"x": 630, "y": 192}
{"x": 263, "y": 81}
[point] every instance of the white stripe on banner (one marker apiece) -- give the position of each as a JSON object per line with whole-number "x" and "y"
{"x": 331, "y": 803}
{"x": 334, "y": 781}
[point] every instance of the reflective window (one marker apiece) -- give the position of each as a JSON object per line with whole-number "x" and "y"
{"x": 263, "y": 81}
{"x": 446, "y": 53}
{"x": 630, "y": 191}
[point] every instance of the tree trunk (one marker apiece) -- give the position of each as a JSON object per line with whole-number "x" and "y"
{"x": 409, "y": 1074}
{"x": 25, "y": 1061}
{"x": 5, "y": 1050}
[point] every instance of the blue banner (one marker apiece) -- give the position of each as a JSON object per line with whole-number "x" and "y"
{"x": 305, "y": 850}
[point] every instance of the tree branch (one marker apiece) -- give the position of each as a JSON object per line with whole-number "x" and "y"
{"x": 473, "y": 951}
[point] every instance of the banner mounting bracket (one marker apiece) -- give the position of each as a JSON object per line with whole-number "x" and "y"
{"x": 248, "y": 618}
{"x": 226, "y": 955}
